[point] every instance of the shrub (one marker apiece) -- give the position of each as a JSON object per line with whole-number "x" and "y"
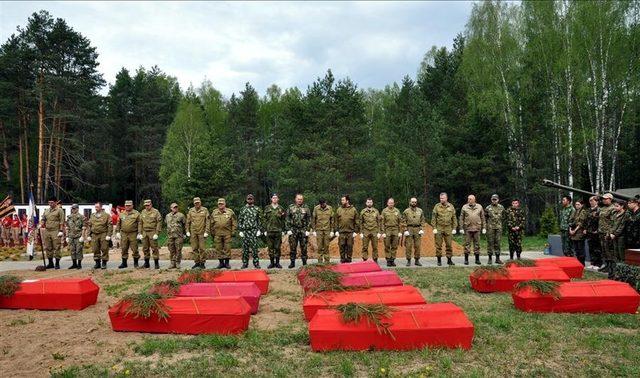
{"x": 548, "y": 223}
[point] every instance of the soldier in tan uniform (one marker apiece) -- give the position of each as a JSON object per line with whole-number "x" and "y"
{"x": 223, "y": 225}
{"x": 151, "y": 226}
{"x": 472, "y": 221}
{"x": 347, "y": 227}
{"x": 323, "y": 223}
{"x": 198, "y": 231}
{"x": 53, "y": 221}
{"x": 369, "y": 230}
{"x": 99, "y": 229}
{"x": 129, "y": 231}
{"x": 75, "y": 227}
{"x": 176, "y": 223}
{"x": 390, "y": 224}
{"x": 413, "y": 219}
{"x": 445, "y": 224}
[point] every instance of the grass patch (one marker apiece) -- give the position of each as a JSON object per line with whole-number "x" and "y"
{"x": 115, "y": 290}
{"x": 20, "y": 322}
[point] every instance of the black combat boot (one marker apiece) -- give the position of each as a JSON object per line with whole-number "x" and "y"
{"x": 510, "y": 255}
{"x": 256, "y": 265}
{"x": 135, "y": 262}
{"x": 490, "y": 262}
{"x": 612, "y": 269}
{"x": 439, "y": 260}
{"x": 146, "y": 263}
{"x": 304, "y": 261}
{"x": 271, "y": 263}
{"x": 74, "y": 265}
{"x": 278, "y": 263}
{"x": 408, "y": 262}
{"x": 450, "y": 262}
{"x": 389, "y": 262}
{"x": 375, "y": 260}
{"x": 79, "y": 266}
{"x": 221, "y": 264}
{"x": 104, "y": 264}
{"x": 50, "y": 264}
{"x": 123, "y": 265}
{"x": 498, "y": 261}
{"x": 518, "y": 255}
{"x": 156, "y": 263}
{"x": 57, "y": 266}
{"x": 466, "y": 259}
{"x": 227, "y": 264}
{"x": 478, "y": 260}
{"x": 245, "y": 264}
{"x": 364, "y": 259}
{"x": 97, "y": 266}
{"x": 418, "y": 262}
{"x": 293, "y": 264}
{"x": 393, "y": 262}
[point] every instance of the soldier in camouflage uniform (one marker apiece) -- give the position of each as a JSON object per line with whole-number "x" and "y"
{"x": 347, "y": 228}
{"x": 75, "y": 228}
{"x": 472, "y": 220}
{"x": 577, "y": 230}
{"x": 605, "y": 229}
{"x": 515, "y": 221}
{"x": 323, "y": 223}
{"x": 369, "y": 230}
{"x": 129, "y": 231}
{"x": 151, "y": 226}
{"x": 593, "y": 238}
{"x": 176, "y": 226}
{"x": 621, "y": 216}
{"x": 412, "y": 220}
{"x": 273, "y": 226}
{"x": 390, "y": 221}
{"x": 495, "y": 215}
{"x": 632, "y": 230}
{"x": 223, "y": 225}
{"x": 198, "y": 222}
{"x": 565, "y": 219}
{"x": 249, "y": 225}
{"x": 53, "y": 221}
{"x": 445, "y": 224}
{"x": 297, "y": 223}
{"x": 99, "y": 229}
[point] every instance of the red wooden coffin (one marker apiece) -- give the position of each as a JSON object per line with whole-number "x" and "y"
{"x": 586, "y": 296}
{"x": 355, "y": 267}
{"x": 489, "y": 283}
{"x": 632, "y": 257}
{"x": 247, "y": 290}
{"x": 570, "y": 265}
{"x": 53, "y": 294}
{"x": 390, "y": 296}
{"x": 411, "y": 327}
{"x": 365, "y": 280}
{"x": 259, "y": 277}
{"x": 191, "y": 316}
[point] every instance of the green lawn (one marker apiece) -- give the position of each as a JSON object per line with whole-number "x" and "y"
{"x": 507, "y": 342}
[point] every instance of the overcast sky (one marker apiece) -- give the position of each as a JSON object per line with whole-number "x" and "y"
{"x": 289, "y": 44}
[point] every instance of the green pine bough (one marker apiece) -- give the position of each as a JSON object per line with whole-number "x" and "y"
{"x": 540, "y": 287}
{"x": 9, "y": 284}
{"x": 490, "y": 271}
{"x": 145, "y": 304}
{"x": 522, "y": 263}
{"x": 372, "y": 313}
{"x": 199, "y": 275}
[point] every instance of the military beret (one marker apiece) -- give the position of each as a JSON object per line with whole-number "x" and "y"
{"x": 221, "y": 200}
{"x": 75, "y": 206}
{"x": 608, "y": 195}
{"x": 196, "y": 199}
{"x": 128, "y": 203}
{"x": 495, "y": 196}
{"x": 147, "y": 202}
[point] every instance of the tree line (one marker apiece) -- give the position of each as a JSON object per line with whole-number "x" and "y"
{"x": 529, "y": 90}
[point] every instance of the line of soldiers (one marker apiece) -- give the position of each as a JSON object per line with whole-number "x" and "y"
{"x": 608, "y": 229}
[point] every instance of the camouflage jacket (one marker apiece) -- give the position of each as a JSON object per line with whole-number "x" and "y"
{"x": 151, "y": 220}
{"x": 298, "y": 218}
{"x": 632, "y": 231}
{"x": 578, "y": 223}
{"x": 176, "y": 224}
{"x": 273, "y": 218}
{"x": 75, "y": 225}
{"x": 591, "y": 224}
{"x": 198, "y": 220}
{"x": 223, "y": 222}
{"x": 370, "y": 220}
{"x": 565, "y": 217}
{"x": 129, "y": 222}
{"x": 323, "y": 219}
{"x": 413, "y": 217}
{"x": 495, "y": 215}
{"x": 443, "y": 217}
{"x": 515, "y": 218}
{"x": 100, "y": 223}
{"x": 606, "y": 220}
{"x": 347, "y": 219}
{"x": 53, "y": 219}
{"x": 619, "y": 223}
{"x": 250, "y": 218}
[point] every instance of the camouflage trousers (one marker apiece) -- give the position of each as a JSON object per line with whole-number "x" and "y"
{"x": 250, "y": 246}
{"x": 493, "y": 241}
{"x": 607, "y": 247}
{"x": 446, "y": 236}
{"x": 274, "y": 243}
{"x": 345, "y": 244}
{"x": 298, "y": 238}
{"x": 75, "y": 248}
{"x": 148, "y": 244}
{"x": 618, "y": 249}
{"x": 567, "y": 246}
{"x": 323, "y": 239}
{"x": 100, "y": 246}
{"x": 51, "y": 242}
{"x": 413, "y": 243}
{"x": 515, "y": 244}
{"x": 129, "y": 241}
{"x": 578, "y": 248}
{"x": 174, "y": 243}
{"x": 472, "y": 237}
{"x": 595, "y": 249}
{"x": 369, "y": 238}
{"x": 391, "y": 245}
{"x": 223, "y": 246}
{"x": 197, "y": 242}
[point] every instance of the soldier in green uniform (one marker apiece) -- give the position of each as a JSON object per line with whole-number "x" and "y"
{"x": 176, "y": 226}
{"x": 99, "y": 229}
{"x": 346, "y": 227}
{"x": 495, "y": 215}
{"x": 472, "y": 220}
{"x": 621, "y": 216}
{"x": 75, "y": 228}
{"x": 273, "y": 226}
{"x": 223, "y": 225}
{"x": 369, "y": 230}
{"x": 323, "y": 223}
{"x": 297, "y": 223}
{"x": 593, "y": 238}
{"x": 515, "y": 221}
{"x": 413, "y": 219}
{"x": 249, "y": 225}
{"x": 565, "y": 219}
{"x": 129, "y": 231}
{"x": 53, "y": 220}
{"x": 605, "y": 229}
{"x": 151, "y": 226}
{"x": 445, "y": 224}
{"x": 390, "y": 222}
{"x": 198, "y": 222}
{"x": 632, "y": 230}
{"x": 577, "y": 230}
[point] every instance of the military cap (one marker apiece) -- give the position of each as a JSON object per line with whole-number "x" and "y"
{"x": 196, "y": 200}
{"x": 608, "y": 195}
{"x": 495, "y": 196}
{"x": 174, "y": 205}
{"x": 250, "y": 196}
{"x": 147, "y": 202}
{"x": 221, "y": 200}
{"x": 274, "y": 195}
{"x": 128, "y": 203}
{"x": 75, "y": 206}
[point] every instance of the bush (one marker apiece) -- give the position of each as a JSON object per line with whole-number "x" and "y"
{"x": 548, "y": 223}
{"x": 627, "y": 273}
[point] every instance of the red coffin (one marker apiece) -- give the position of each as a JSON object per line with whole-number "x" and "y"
{"x": 570, "y": 265}
{"x": 259, "y": 277}
{"x": 412, "y": 327}
{"x": 368, "y": 279}
{"x": 53, "y": 294}
{"x": 390, "y": 296}
{"x": 247, "y": 290}
{"x": 493, "y": 283}
{"x": 356, "y": 267}
{"x": 191, "y": 316}
{"x": 587, "y": 296}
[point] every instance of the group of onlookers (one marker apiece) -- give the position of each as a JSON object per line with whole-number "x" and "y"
{"x": 14, "y": 230}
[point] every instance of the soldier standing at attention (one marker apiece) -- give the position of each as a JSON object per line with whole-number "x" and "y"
{"x": 223, "y": 225}
{"x": 495, "y": 214}
{"x": 565, "y": 219}
{"x": 605, "y": 229}
{"x": 99, "y": 230}
{"x": 413, "y": 218}
{"x": 75, "y": 227}
{"x": 390, "y": 223}
{"x": 129, "y": 231}
{"x": 322, "y": 224}
{"x": 274, "y": 227}
{"x": 176, "y": 225}
{"x": 515, "y": 228}
{"x": 53, "y": 220}
{"x": 621, "y": 216}
{"x": 593, "y": 238}
{"x": 632, "y": 231}
{"x": 577, "y": 230}
{"x": 369, "y": 230}
{"x": 151, "y": 227}
{"x": 249, "y": 225}
{"x": 347, "y": 228}
{"x": 472, "y": 221}
{"x": 197, "y": 230}
{"x": 297, "y": 224}
{"x": 445, "y": 224}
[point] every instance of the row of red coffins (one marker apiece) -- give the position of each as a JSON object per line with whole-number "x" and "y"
{"x": 53, "y": 294}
